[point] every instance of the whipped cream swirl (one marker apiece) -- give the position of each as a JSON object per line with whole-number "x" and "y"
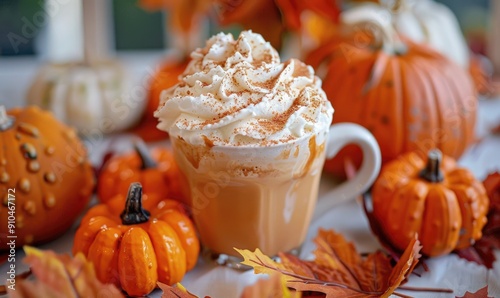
{"x": 238, "y": 93}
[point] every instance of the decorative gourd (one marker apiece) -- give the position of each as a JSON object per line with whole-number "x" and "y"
{"x": 409, "y": 96}
{"x": 91, "y": 97}
{"x": 427, "y": 22}
{"x": 432, "y": 23}
{"x": 442, "y": 203}
{"x": 166, "y": 77}
{"x": 135, "y": 247}
{"x": 44, "y": 175}
{"x": 156, "y": 171}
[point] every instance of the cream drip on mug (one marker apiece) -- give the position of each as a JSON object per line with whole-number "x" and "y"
{"x": 239, "y": 93}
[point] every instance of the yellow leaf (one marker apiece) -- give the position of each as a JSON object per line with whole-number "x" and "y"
{"x": 259, "y": 261}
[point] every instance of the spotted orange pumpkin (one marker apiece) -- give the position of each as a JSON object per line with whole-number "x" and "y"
{"x": 46, "y": 180}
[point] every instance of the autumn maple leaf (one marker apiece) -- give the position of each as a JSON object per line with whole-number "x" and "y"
{"x": 338, "y": 270}
{"x": 177, "y": 290}
{"x": 61, "y": 276}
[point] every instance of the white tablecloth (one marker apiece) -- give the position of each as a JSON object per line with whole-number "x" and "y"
{"x": 348, "y": 218}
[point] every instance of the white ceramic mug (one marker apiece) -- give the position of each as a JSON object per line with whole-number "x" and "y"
{"x": 340, "y": 135}
{"x": 264, "y": 197}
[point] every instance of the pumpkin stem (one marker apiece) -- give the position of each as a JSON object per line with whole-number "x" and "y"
{"x": 432, "y": 171}
{"x": 143, "y": 152}
{"x": 382, "y": 28}
{"x": 134, "y": 213}
{"x": 6, "y": 121}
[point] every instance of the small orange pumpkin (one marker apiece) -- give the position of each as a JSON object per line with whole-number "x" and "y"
{"x": 46, "y": 180}
{"x": 134, "y": 248}
{"x": 156, "y": 171}
{"x": 407, "y": 95}
{"x": 442, "y": 203}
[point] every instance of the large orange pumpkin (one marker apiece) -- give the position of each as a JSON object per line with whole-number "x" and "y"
{"x": 45, "y": 178}
{"x": 431, "y": 197}
{"x": 409, "y": 96}
{"x": 135, "y": 245}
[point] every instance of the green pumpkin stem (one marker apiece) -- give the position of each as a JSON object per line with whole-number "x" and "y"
{"x": 432, "y": 171}
{"x": 6, "y": 121}
{"x": 134, "y": 213}
{"x": 143, "y": 152}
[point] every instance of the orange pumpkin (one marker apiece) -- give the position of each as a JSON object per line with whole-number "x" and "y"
{"x": 409, "y": 96}
{"x": 134, "y": 248}
{"x": 166, "y": 77}
{"x": 46, "y": 180}
{"x": 442, "y": 203}
{"x": 156, "y": 170}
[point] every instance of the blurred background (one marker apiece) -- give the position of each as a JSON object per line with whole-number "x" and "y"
{"x": 139, "y": 33}
{"x": 134, "y": 28}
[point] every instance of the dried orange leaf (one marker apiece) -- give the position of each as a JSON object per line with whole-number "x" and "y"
{"x": 175, "y": 291}
{"x": 260, "y": 16}
{"x": 338, "y": 270}
{"x": 61, "y": 276}
{"x": 292, "y": 10}
{"x": 481, "y": 293}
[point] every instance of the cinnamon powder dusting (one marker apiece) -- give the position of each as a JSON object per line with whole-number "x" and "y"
{"x": 277, "y": 123}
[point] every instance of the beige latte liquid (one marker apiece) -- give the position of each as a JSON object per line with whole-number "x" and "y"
{"x": 252, "y": 198}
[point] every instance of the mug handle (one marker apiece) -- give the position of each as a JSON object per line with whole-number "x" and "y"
{"x": 340, "y": 135}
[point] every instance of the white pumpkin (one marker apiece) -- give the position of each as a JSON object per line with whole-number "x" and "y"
{"x": 88, "y": 97}
{"x": 435, "y": 24}
{"x": 424, "y": 21}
